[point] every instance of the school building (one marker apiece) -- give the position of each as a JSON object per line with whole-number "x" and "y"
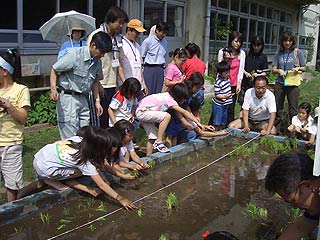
{"x": 205, "y": 22}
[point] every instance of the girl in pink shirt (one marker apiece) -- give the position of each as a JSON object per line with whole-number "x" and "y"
{"x": 153, "y": 109}
{"x": 174, "y": 74}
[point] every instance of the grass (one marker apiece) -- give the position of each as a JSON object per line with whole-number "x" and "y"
{"x": 34, "y": 140}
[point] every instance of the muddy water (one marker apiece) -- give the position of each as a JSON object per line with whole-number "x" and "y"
{"x": 213, "y": 199}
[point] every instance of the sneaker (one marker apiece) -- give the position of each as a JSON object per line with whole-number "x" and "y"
{"x": 160, "y": 147}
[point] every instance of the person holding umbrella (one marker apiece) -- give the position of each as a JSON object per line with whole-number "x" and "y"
{"x": 72, "y": 78}
{"x": 114, "y": 19}
{"x": 76, "y": 34}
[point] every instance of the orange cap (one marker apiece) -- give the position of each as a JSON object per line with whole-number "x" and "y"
{"x": 136, "y": 24}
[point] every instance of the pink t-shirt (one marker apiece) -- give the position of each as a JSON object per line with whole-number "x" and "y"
{"x": 157, "y": 102}
{"x": 234, "y": 71}
{"x": 193, "y": 65}
{"x": 173, "y": 73}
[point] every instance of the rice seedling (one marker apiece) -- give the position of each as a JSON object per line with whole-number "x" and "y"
{"x": 139, "y": 212}
{"x": 101, "y": 207}
{"x": 256, "y": 213}
{"x": 293, "y": 213}
{"x": 172, "y": 201}
{"x": 63, "y": 223}
{"x": 152, "y": 163}
{"x": 92, "y": 227}
{"x": 162, "y": 237}
{"x": 45, "y": 218}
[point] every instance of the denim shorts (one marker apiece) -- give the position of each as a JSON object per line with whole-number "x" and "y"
{"x": 219, "y": 114}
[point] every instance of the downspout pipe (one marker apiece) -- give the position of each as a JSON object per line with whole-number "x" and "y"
{"x": 206, "y": 38}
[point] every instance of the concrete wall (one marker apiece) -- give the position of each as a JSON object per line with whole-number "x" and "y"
{"x": 310, "y": 25}
{"x": 195, "y": 22}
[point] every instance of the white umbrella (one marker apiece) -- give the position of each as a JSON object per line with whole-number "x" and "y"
{"x": 59, "y": 26}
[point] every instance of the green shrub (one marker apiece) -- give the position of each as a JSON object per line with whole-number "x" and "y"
{"x": 42, "y": 110}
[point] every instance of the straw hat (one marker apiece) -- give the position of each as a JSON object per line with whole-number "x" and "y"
{"x": 136, "y": 24}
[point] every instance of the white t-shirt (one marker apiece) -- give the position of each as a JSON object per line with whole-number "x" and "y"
{"x": 131, "y": 59}
{"x": 259, "y": 108}
{"x": 129, "y": 147}
{"x": 313, "y": 129}
{"x": 157, "y": 102}
{"x": 298, "y": 123}
{"x": 122, "y": 107}
{"x": 55, "y": 161}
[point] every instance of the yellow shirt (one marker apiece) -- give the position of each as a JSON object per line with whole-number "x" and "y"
{"x": 11, "y": 130}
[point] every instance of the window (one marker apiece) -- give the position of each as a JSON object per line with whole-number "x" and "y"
{"x": 282, "y": 16}
{"x": 269, "y": 13}
{"x": 275, "y": 32}
{"x": 223, "y": 27}
{"x": 8, "y": 19}
{"x": 260, "y": 32}
{"x": 235, "y": 5}
{"x": 214, "y": 3}
{"x": 243, "y": 28}
{"x": 175, "y": 20}
{"x": 268, "y": 33}
{"x": 288, "y": 18}
{"x": 213, "y": 25}
{"x": 254, "y": 8}
{"x": 8, "y": 37}
{"x": 37, "y": 12}
{"x": 153, "y": 14}
{"x": 262, "y": 11}
{"x": 252, "y": 28}
{"x": 223, "y": 4}
{"x": 100, "y": 8}
{"x": 77, "y": 5}
{"x": 276, "y": 16}
{"x": 234, "y": 23}
{"x": 245, "y": 6}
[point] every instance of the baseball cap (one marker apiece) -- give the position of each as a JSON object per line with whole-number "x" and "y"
{"x": 136, "y": 24}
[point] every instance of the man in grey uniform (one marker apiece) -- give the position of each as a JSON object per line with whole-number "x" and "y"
{"x": 77, "y": 72}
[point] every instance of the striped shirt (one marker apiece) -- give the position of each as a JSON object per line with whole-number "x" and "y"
{"x": 222, "y": 86}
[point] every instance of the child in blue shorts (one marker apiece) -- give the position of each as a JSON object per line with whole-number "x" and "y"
{"x": 222, "y": 96}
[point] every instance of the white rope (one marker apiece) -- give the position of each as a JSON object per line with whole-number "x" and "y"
{"x": 152, "y": 193}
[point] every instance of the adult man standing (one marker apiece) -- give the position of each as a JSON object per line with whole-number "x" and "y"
{"x": 153, "y": 51}
{"x": 78, "y": 69}
{"x": 114, "y": 19}
{"x": 131, "y": 61}
{"x": 258, "y": 109}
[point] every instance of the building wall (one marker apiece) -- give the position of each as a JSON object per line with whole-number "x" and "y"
{"x": 195, "y": 22}
{"x": 310, "y": 27}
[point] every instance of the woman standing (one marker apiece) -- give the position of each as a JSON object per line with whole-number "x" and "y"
{"x": 235, "y": 56}
{"x": 14, "y": 107}
{"x": 255, "y": 60}
{"x": 288, "y": 58}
